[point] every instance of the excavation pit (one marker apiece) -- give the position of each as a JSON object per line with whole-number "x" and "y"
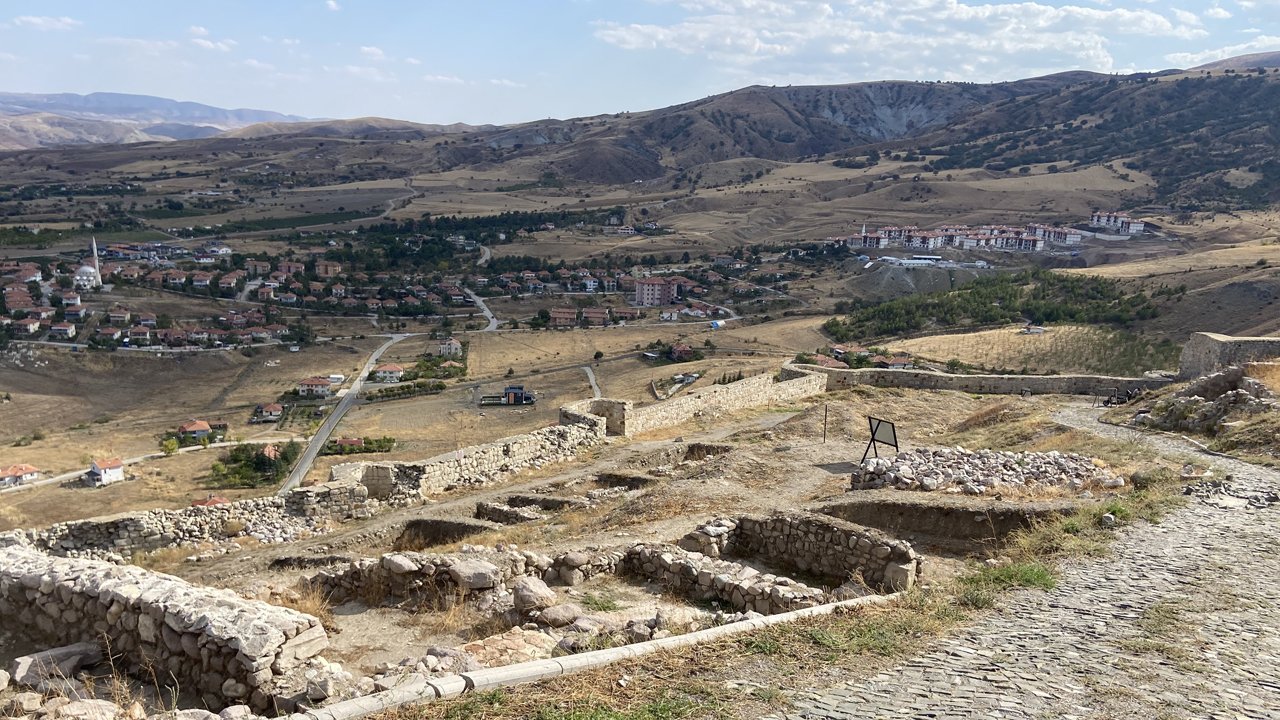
{"x": 423, "y": 533}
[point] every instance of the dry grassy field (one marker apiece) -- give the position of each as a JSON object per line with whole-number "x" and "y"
{"x": 1061, "y": 349}
{"x": 1242, "y": 256}
{"x": 171, "y": 482}
{"x": 102, "y": 404}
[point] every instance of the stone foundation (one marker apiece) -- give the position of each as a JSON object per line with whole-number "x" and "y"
{"x": 229, "y": 649}
{"x": 817, "y": 545}
{"x": 700, "y": 577}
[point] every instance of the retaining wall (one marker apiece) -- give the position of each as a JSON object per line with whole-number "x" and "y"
{"x": 706, "y": 578}
{"x": 827, "y": 547}
{"x": 622, "y": 417}
{"x": 985, "y": 384}
{"x": 1207, "y": 352}
{"x": 434, "y": 580}
{"x": 403, "y": 483}
{"x": 269, "y": 519}
{"x": 226, "y": 647}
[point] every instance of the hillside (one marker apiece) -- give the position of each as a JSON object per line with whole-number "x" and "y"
{"x": 1244, "y": 62}
{"x": 1204, "y": 139}
{"x": 1192, "y": 140}
{"x": 33, "y": 120}
{"x": 18, "y": 132}
{"x": 372, "y": 128}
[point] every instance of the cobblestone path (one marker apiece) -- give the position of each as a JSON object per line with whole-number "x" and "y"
{"x": 1182, "y": 620}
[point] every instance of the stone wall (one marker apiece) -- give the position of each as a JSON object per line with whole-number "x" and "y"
{"x": 401, "y": 483}
{"x": 702, "y": 577}
{"x": 343, "y": 500}
{"x": 268, "y": 520}
{"x": 622, "y": 417}
{"x": 826, "y": 547}
{"x": 1207, "y": 352}
{"x": 985, "y": 384}
{"x": 229, "y": 649}
{"x": 429, "y": 579}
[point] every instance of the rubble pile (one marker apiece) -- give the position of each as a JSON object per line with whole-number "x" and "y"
{"x": 956, "y": 470}
{"x": 1202, "y": 406}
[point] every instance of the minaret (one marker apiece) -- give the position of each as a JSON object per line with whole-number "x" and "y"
{"x": 97, "y": 271}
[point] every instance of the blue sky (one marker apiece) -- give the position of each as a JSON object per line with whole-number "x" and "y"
{"x": 506, "y": 61}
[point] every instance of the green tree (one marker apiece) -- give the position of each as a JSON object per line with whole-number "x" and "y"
{"x": 169, "y": 446}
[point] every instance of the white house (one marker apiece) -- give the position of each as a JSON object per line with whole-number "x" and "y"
{"x": 18, "y": 474}
{"x": 315, "y": 387}
{"x": 105, "y": 472}
{"x": 450, "y": 348}
{"x": 388, "y": 373}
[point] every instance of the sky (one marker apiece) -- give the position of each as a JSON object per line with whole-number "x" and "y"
{"x": 504, "y": 61}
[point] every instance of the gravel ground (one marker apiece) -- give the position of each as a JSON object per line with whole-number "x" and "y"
{"x": 1182, "y": 620}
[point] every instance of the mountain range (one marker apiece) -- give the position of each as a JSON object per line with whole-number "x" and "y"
{"x": 1209, "y": 133}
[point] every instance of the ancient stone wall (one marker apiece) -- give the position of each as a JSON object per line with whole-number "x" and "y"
{"x": 130, "y": 532}
{"x": 622, "y": 417}
{"x": 410, "y": 483}
{"x": 826, "y": 547}
{"x": 1207, "y": 352}
{"x": 342, "y": 500}
{"x": 227, "y": 648}
{"x": 986, "y": 384}
{"x": 702, "y": 577}
{"x": 429, "y": 579}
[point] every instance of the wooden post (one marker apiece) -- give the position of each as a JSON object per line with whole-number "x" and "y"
{"x": 824, "y": 423}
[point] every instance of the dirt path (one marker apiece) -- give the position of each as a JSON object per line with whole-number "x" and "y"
{"x": 1182, "y": 620}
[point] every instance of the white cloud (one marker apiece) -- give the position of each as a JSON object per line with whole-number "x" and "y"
{"x": 1261, "y": 43}
{"x": 258, "y": 65}
{"x": 332, "y": 5}
{"x": 142, "y": 45}
{"x": 372, "y": 52}
{"x": 7, "y": 57}
{"x": 290, "y": 41}
{"x": 1217, "y": 12}
{"x": 45, "y": 22}
{"x": 366, "y": 72}
{"x": 503, "y": 82}
{"x": 412, "y": 61}
{"x": 198, "y": 30}
{"x": 220, "y": 45}
{"x": 821, "y": 41}
{"x": 444, "y": 79}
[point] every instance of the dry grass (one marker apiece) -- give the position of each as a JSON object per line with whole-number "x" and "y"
{"x": 695, "y": 682}
{"x": 1061, "y": 349}
{"x": 307, "y": 599}
{"x": 1268, "y": 373}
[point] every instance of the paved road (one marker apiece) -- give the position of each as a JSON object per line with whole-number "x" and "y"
{"x": 591, "y": 377}
{"x": 141, "y": 458}
{"x": 479, "y": 301}
{"x": 1182, "y": 619}
{"x": 485, "y": 254}
{"x": 321, "y": 437}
